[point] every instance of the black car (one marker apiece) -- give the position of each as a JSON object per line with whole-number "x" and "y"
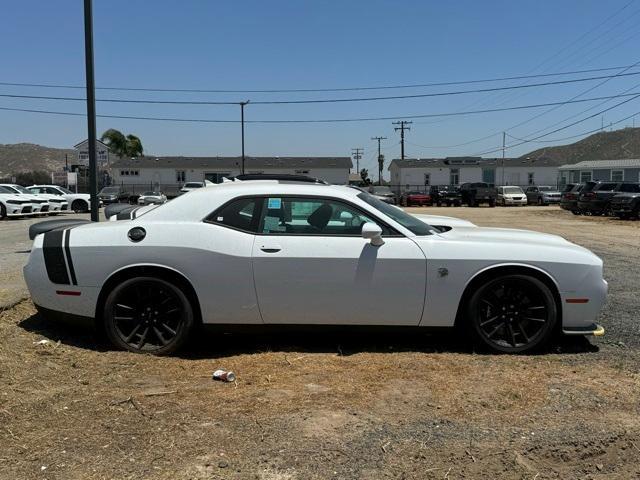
{"x": 569, "y": 197}
{"x": 595, "y": 197}
{"x": 113, "y": 195}
{"x": 476, "y": 193}
{"x": 445, "y": 195}
{"x": 626, "y": 203}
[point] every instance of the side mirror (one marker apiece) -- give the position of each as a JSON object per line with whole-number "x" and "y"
{"x": 372, "y": 231}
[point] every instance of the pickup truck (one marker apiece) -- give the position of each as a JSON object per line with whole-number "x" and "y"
{"x": 476, "y": 193}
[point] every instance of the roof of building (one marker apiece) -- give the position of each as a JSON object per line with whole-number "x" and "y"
{"x": 461, "y": 162}
{"x": 590, "y": 164}
{"x": 86, "y": 140}
{"x": 233, "y": 162}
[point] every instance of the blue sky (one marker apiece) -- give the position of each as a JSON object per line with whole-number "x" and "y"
{"x": 323, "y": 44}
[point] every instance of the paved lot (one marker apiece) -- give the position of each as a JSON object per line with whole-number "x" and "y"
{"x": 326, "y": 406}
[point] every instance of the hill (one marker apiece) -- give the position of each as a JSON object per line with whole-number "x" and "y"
{"x": 26, "y": 157}
{"x": 619, "y": 144}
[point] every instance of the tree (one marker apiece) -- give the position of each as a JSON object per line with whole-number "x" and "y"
{"x": 121, "y": 146}
{"x": 364, "y": 175}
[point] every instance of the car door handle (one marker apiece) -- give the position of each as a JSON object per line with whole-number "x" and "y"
{"x": 271, "y": 249}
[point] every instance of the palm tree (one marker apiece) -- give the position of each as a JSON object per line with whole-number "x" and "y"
{"x": 121, "y": 146}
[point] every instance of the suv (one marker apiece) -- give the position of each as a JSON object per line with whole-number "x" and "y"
{"x": 445, "y": 194}
{"x": 543, "y": 195}
{"x": 626, "y": 203}
{"x": 479, "y": 192}
{"x": 113, "y": 195}
{"x": 569, "y": 197}
{"x": 595, "y": 197}
{"x": 511, "y": 195}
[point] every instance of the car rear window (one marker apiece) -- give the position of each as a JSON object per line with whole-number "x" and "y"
{"x": 630, "y": 187}
{"x": 605, "y": 187}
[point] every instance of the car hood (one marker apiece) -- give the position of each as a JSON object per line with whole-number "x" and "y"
{"x": 505, "y": 235}
{"x": 511, "y": 195}
{"x": 12, "y": 196}
{"x": 444, "y": 221}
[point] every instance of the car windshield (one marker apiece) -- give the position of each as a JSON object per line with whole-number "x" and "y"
{"x": 546, "y": 189}
{"x": 381, "y": 190}
{"x": 512, "y": 190}
{"x": 5, "y": 190}
{"x": 403, "y": 218}
{"x": 21, "y": 189}
{"x": 415, "y": 193}
{"x": 64, "y": 190}
{"x": 110, "y": 190}
{"x": 193, "y": 185}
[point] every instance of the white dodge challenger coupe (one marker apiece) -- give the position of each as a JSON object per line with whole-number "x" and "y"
{"x": 293, "y": 253}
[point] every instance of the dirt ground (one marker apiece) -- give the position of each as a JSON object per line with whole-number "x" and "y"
{"x": 329, "y": 406}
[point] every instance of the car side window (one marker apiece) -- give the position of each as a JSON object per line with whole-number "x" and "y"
{"x": 241, "y": 214}
{"x": 52, "y": 191}
{"x": 312, "y": 216}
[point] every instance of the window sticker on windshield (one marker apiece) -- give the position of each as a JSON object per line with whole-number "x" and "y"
{"x": 274, "y": 204}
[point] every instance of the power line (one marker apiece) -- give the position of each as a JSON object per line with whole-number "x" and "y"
{"x": 331, "y": 100}
{"x": 331, "y": 120}
{"x": 312, "y": 90}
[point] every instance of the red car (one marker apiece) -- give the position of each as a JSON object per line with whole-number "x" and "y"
{"x": 409, "y": 199}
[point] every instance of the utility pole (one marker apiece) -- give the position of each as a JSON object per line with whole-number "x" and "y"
{"x": 91, "y": 109}
{"x": 380, "y": 158}
{"x": 504, "y": 139}
{"x": 357, "y": 153}
{"x": 403, "y": 126}
{"x": 242, "y": 104}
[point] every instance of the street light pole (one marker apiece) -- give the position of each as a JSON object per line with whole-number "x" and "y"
{"x": 242, "y": 104}
{"x": 91, "y": 108}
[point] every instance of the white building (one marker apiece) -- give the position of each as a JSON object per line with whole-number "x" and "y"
{"x": 102, "y": 153}
{"x": 625, "y": 170}
{"x": 416, "y": 174}
{"x": 169, "y": 173}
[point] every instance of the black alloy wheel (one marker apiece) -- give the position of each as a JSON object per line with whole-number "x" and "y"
{"x": 148, "y": 315}
{"x": 513, "y": 314}
{"x": 80, "y": 206}
{"x": 3, "y": 212}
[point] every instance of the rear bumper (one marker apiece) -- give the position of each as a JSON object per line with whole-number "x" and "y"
{"x": 66, "y": 318}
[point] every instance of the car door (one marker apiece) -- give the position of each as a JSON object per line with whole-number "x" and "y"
{"x": 312, "y": 266}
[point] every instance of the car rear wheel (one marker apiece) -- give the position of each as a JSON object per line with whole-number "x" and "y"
{"x": 540, "y": 202}
{"x": 148, "y": 315}
{"x": 513, "y": 314}
{"x": 3, "y": 212}
{"x": 80, "y": 206}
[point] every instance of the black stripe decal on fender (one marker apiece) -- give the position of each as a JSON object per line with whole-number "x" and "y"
{"x": 67, "y": 250}
{"x": 54, "y": 257}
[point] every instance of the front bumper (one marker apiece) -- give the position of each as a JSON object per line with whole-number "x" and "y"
{"x": 512, "y": 201}
{"x": 594, "y": 329}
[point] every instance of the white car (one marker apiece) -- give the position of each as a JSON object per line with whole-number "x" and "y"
{"x": 39, "y": 205}
{"x": 287, "y": 253}
{"x": 12, "y": 205}
{"x": 152, "y": 198}
{"x": 511, "y": 195}
{"x": 57, "y": 204}
{"x": 78, "y": 202}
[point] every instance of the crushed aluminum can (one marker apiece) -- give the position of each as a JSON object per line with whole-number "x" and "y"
{"x": 224, "y": 376}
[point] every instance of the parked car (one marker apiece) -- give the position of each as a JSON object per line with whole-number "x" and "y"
{"x": 446, "y": 195}
{"x": 274, "y": 253}
{"x": 626, "y": 203}
{"x": 78, "y": 202}
{"x": 476, "y": 193}
{"x": 511, "y": 195}
{"x": 415, "y": 197}
{"x": 569, "y": 197}
{"x": 39, "y": 205}
{"x": 115, "y": 194}
{"x": 595, "y": 197}
{"x": 12, "y": 205}
{"x": 383, "y": 193}
{"x": 190, "y": 186}
{"x": 542, "y": 195}
{"x": 152, "y": 198}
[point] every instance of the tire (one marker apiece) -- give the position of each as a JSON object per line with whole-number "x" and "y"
{"x": 492, "y": 203}
{"x": 80, "y": 206}
{"x": 514, "y": 313}
{"x": 148, "y": 315}
{"x": 540, "y": 202}
{"x": 439, "y": 204}
{"x": 576, "y": 212}
{"x": 3, "y": 212}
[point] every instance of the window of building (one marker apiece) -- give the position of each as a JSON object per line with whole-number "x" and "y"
{"x": 585, "y": 176}
{"x": 302, "y": 172}
{"x": 180, "y": 176}
{"x": 454, "y": 176}
{"x": 240, "y": 214}
{"x": 617, "y": 175}
{"x": 311, "y": 216}
{"x": 427, "y": 179}
{"x": 489, "y": 175}
{"x": 531, "y": 178}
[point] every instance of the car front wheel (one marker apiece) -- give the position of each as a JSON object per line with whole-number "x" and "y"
{"x": 80, "y": 206}
{"x": 148, "y": 315}
{"x": 513, "y": 314}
